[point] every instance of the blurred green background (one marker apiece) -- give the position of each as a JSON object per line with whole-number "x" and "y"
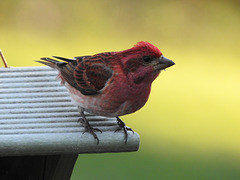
{"x": 189, "y": 128}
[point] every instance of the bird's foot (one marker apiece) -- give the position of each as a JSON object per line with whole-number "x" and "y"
{"x": 88, "y": 127}
{"x": 122, "y": 126}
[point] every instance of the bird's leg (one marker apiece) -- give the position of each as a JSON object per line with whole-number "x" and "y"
{"x": 122, "y": 126}
{"x": 88, "y": 127}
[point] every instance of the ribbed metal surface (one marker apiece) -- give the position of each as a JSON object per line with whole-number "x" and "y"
{"x": 38, "y": 117}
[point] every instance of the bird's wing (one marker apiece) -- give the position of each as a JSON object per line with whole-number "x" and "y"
{"x": 91, "y": 75}
{"x": 88, "y": 74}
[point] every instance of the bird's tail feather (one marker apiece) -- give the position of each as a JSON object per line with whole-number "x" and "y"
{"x": 49, "y": 62}
{"x": 64, "y": 59}
{"x": 54, "y": 63}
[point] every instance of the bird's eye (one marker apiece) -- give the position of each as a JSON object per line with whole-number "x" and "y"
{"x": 147, "y": 59}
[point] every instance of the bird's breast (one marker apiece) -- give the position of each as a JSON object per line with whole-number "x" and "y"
{"x": 114, "y": 100}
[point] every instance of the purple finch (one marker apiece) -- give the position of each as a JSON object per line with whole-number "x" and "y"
{"x": 111, "y": 84}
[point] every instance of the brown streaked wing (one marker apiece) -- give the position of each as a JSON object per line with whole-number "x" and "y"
{"x": 67, "y": 72}
{"x": 91, "y": 76}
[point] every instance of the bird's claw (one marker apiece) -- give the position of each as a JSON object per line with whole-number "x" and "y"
{"x": 90, "y": 129}
{"x": 122, "y": 126}
{"x": 93, "y": 129}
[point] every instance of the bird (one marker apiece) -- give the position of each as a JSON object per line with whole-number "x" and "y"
{"x": 110, "y": 84}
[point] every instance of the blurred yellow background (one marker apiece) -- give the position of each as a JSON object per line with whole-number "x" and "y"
{"x": 189, "y": 128}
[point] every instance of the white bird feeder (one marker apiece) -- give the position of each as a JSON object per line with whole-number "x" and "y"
{"x": 39, "y": 127}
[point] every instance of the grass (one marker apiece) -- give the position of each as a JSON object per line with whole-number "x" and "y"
{"x": 145, "y": 166}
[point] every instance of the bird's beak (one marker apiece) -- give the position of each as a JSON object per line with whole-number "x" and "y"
{"x": 163, "y": 63}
